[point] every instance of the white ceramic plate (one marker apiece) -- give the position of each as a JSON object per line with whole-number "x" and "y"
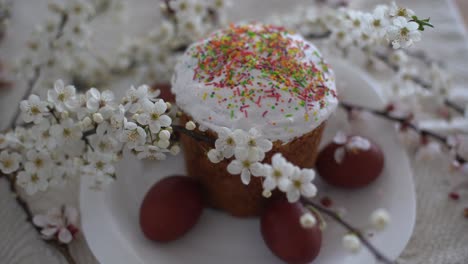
{"x": 110, "y": 217}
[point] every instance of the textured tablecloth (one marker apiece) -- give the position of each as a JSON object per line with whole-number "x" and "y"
{"x": 441, "y": 233}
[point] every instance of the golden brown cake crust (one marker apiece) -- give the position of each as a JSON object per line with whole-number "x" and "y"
{"x": 227, "y": 192}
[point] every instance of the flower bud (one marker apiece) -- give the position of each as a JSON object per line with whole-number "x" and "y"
{"x": 308, "y": 220}
{"x": 164, "y": 135}
{"x": 190, "y": 125}
{"x": 380, "y": 219}
{"x": 163, "y": 143}
{"x": 98, "y": 118}
{"x": 352, "y": 243}
{"x": 175, "y": 150}
{"x": 86, "y": 122}
{"x": 266, "y": 193}
{"x": 64, "y": 115}
{"x": 215, "y": 156}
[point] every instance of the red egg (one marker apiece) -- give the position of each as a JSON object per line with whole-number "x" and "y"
{"x": 171, "y": 208}
{"x": 287, "y": 239}
{"x": 350, "y": 166}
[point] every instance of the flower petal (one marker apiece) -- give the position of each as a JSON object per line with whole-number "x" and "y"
{"x": 269, "y": 183}
{"x": 257, "y": 169}
{"x": 40, "y": 220}
{"x": 308, "y": 190}
{"x": 49, "y": 232}
{"x": 65, "y": 236}
{"x": 245, "y": 176}
{"x": 235, "y": 167}
{"x": 293, "y": 195}
{"x": 165, "y": 120}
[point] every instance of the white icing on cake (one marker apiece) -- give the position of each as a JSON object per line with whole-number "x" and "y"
{"x": 255, "y": 76}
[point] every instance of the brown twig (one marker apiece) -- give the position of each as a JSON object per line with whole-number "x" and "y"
{"x": 377, "y": 254}
{"x": 37, "y": 73}
{"x": 29, "y": 218}
{"x": 193, "y": 134}
{"x": 418, "y": 80}
{"x": 405, "y": 122}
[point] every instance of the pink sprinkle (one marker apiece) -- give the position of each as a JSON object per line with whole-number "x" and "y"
{"x": 264, "y": 113}
{"x": 246, "y": 114}
{"x": 258, "y": 101}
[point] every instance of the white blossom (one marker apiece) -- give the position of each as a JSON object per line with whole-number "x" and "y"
{"x": 398, "y": 11}
{"x": 6, "y": 140}
{"x": 403, "y": 33}
{"x": 352, "y": 243}
{"x": 37, "y": 160}
{"x": 60, "y": 224}
{"x": 153, "y": 116}
{"x": 136, "y": 98}
{"x": 115, "y": 124}
{"x": 358, "y": 143}
{"x": 22, "y": 138}
{"x": 33, "y": 180}
{"x": 253, "y": 141}
{"x": 99, "y": 164}
{"x": 398, "y": 57}
{"x": 226, "y": 142}
{"x": 9, "y": 161}
{"x": 33, "y": 109}
{"x": 278, "y": 174}
{"x": 301, "y": 184}
{"x": 380, "y": 219}
{"x": 100, "y": 102}
{"x": 65, "y": 132}
{"x": 340, "y": 138}
{"x": 245, "y": 164}
{"x": 62, "y": 97}
{"x": 133, "y": 135}
{"x": 104, "y": 144}
{"x": 428, "y": 151}
{"x": 42, "y": 136}
{"x": 151, "y": 152}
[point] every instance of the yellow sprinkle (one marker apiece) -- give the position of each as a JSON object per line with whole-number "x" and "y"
{"x": 306, "y": 116}
{"x": 204, "y": 96}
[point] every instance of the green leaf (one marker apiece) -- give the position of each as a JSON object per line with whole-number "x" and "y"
{"x": 422, "y": 22}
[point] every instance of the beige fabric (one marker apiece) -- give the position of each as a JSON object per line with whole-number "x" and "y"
{"x": 441, "y": 234}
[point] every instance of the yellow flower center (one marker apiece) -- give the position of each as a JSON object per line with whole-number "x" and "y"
{"x": 34, "y": 178}
{"x": 154, "y": 116}
{"x": 61, "y": 97}
{"x": 35, "y": 110}
{"x": 38, "y": 163}
{"x": 297, "y": 184}
{"x": 100, "y": 165}
{"x": 67, "y": 132}
{"x": 8, "y": 163}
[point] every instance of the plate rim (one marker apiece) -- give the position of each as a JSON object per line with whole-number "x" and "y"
{"x": 100, "y": 197}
